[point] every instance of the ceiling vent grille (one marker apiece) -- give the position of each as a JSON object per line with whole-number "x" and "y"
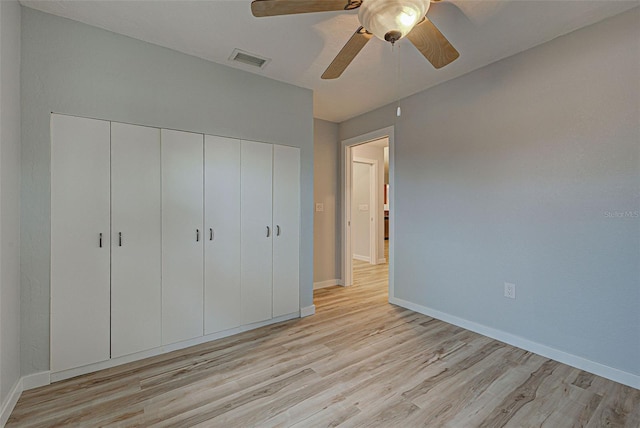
{"x": 249, "y": 59}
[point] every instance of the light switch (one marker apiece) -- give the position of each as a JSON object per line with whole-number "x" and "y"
{"x": 319, "y": 207}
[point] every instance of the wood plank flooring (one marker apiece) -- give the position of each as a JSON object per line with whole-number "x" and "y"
{"x": 359, "y": 362}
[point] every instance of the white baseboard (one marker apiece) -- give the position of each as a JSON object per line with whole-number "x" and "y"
{"x": 324, "y": 284}
{"x": 307, "y": 311}
{"x": 381, "y": 260}
{"x": 66, "y": 374}
{"x": 10, "y": 402}
{"x": 572, "y": 360}
{"x": 362, "y": 258}
{"x": 36, "y": 380}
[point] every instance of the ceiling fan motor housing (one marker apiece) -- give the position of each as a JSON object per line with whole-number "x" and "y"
{"x": 391, "y": 20}
{"x": 393, "y": 36}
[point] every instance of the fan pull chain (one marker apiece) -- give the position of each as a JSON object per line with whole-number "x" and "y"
{"x": 398, "y": 109}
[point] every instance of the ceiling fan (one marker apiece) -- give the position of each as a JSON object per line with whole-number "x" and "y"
{"x": 389, "y": 20}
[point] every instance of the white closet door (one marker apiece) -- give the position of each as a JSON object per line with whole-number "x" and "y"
{"x": 286, "y": 222}
{"x": 182, "y": 236}
{"x": 257, "y": 233}
{"x": 80, "y": 234}
{"x": 136, "y": 239}
{"x": 222, "y": 234}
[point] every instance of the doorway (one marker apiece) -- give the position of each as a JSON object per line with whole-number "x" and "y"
{"x": 377, "y": 207}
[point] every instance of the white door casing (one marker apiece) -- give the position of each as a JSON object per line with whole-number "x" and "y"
{"x": 346, "y": 167}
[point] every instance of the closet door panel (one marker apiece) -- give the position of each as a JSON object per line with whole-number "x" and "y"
{"x": 286, "y": 223}
{"x": 222, "y": 234}
{"x": 256, "y": 219}
{"x": 80, "y": 231}
{"x": 182, "y": 236}
{"x": 136, "y": 239}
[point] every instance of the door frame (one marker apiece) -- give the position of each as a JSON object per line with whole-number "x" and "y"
{"x": 373, "y": 203}
{"x": 345, "y": 183}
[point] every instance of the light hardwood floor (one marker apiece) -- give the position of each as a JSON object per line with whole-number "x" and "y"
{"x": 358, "y": 362}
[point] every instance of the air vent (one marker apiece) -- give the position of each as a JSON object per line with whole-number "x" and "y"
{"x": 249, "y": 59}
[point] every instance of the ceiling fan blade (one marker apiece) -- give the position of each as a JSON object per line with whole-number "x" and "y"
{"x": 261, "y": 8}
{"x": 433, "y": 44}
{"x": 347, "y": 54}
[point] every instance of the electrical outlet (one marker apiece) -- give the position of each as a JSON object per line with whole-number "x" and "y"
{"x": 319, "y": 207}
{"x": 509, "y": 290}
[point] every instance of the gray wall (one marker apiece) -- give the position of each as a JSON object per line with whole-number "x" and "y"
{"x": 326, "y": 262}
{"x": 72, "y": 68}
{"x": 528, "y": 171}
{"x": 9, "y": 198}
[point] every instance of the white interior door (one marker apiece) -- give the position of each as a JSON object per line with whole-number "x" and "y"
{"x": 361, "y": 211}
{"x": 286, "y": 223}
{"x": 182, "y": 236}
{"x": 136, "y": 239}
{"x": 80, "y": 231}
{"x": 256, "y": 220}
{"x": 223, "y": 308}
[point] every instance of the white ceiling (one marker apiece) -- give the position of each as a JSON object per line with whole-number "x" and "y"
{"x": 302, "y": 46}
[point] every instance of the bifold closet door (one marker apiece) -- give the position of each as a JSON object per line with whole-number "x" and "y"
{"x": 222, "y": 304}
{"x": 80, "y": 232}
{"x": 136, "y": 238}
{"x": 256, "y": 220}
{"x": 182, "y": 236}
{"x": 286, "y": 224}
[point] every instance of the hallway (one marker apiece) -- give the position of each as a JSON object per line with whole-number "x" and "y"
{"x": 374, "y": 275}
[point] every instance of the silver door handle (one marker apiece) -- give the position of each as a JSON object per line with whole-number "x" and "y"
{"x": 120, "y": 239}
{"x": 100, "y": 240}
{"x": 277, "y": 230}
{"x": 197, "y": 235}
{"x": 268, "y": 231}
{"x": 210, "y": 234}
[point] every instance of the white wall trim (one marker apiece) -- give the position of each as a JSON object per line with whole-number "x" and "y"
{"x": 66, "y": 374}
{"x": 572, "y": 360}
{"x": 345, "y": 183}
{"x": 10, "y": 402}
{"x": 307, "y": 311}
{"x": 328, "y": 283}
{"x": 36, "y": 380}
{"x": 362, "y": 258}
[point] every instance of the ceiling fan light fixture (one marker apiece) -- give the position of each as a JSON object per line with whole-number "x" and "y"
{"x": 392, "y": 20}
